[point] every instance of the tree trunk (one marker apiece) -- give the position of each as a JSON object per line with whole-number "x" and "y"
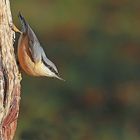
{"x": 9, "y": 76}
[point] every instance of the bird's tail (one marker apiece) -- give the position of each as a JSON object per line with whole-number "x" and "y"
{"x": 23, "y": 22}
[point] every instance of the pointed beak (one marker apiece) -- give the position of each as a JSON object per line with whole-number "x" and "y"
{"x": 58, "y": 77}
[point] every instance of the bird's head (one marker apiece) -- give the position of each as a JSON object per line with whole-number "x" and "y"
{"x": 51, "y": 69}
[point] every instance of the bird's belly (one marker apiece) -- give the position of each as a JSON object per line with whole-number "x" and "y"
{"x": 27, "y": 64}
{"x": 25, "y": 60}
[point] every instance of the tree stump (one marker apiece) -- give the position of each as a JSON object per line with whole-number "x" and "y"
{"x": 9, "y": 75}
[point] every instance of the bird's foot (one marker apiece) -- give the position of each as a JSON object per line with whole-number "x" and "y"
{"x": 20, "y": 76}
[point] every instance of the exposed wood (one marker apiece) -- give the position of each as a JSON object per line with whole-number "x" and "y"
{"x": 9, "y": 76}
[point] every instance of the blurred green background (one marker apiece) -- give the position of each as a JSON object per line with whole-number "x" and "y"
{"x": 96, "y": 47}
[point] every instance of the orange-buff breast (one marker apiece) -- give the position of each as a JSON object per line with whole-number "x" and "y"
{"x": 24, "y": 56}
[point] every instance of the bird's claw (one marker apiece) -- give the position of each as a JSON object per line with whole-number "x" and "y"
{"x": 20, "y": 76}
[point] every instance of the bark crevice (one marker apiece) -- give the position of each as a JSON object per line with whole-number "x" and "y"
{"x": 9, "y": 75}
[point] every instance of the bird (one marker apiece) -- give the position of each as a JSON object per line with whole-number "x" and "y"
{"x": 31, "y": 56}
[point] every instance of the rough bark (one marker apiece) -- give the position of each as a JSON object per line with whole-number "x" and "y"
{"x": 9, "y": 76}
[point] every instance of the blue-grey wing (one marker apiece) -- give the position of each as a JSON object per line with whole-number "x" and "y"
{"x": 35, "y": 52}
{"x": 34, "y": 45}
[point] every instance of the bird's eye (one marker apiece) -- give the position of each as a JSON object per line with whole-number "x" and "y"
{"x": 52, "y": 69}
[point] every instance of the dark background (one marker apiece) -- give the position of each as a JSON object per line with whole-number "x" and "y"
{"x": 96, "y": 47}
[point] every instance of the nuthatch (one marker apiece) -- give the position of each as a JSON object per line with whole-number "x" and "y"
{"x": 31, "y": 55}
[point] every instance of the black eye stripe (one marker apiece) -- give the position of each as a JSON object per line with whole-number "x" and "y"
{"x": 51, "y": 68}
